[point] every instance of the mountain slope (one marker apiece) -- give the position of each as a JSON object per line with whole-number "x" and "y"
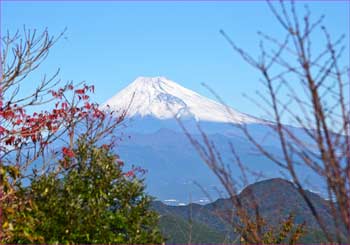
{"x": 156, "y": 143}
{"x": 276, "y": 199}
{"x": 164, "y": 99}
{"x": 178, "y": 230}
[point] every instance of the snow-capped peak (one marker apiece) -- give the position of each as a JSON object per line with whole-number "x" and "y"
{"x": 164, "y": 99}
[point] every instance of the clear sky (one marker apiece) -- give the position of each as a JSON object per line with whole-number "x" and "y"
{"x": 111, "y": 43}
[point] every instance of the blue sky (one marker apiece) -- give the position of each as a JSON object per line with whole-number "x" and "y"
{"x": 109, "y": 43}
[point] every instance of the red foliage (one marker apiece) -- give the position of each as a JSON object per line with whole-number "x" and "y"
{"x": 17, "y": 126}
{"x": 67, "y": 152}
{"x": 80, "y": 91}
{"x": 70, "y": 105}
{"x": 130, "y": 173}
{"x": 134, "y": 171}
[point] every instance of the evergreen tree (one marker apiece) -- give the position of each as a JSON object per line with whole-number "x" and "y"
{"x": 93, "y": 201}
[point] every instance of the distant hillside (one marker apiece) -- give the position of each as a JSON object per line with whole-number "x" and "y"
{"x": 276, "y": 198}
{"x": 178, "y": 230}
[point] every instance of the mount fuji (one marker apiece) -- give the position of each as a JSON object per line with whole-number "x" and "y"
{"x": 175, "y": 172}
{"x": 163, "y": 99}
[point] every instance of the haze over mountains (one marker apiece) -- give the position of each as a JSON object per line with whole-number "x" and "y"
{"x": 157, "y": 143}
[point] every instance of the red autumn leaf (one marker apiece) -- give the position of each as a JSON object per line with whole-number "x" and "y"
{"x": 2, "y": 130}
{"x": 10, "y": 140}
{"x": 8, "y": 114}
{"x": 67, "y": 152}
{"x": 18, "y": 122}
{"x": 130, "y": 173}
{"x": 87, "y": 105}
{"x": 80, "y": 91}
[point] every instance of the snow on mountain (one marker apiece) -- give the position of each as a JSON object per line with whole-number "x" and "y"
{"x": 162, "y": 98}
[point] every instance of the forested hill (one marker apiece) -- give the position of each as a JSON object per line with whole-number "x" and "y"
{"x": 276, "y": 198}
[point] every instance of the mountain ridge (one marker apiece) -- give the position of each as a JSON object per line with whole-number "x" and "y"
{"x": 276, "y": 198}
